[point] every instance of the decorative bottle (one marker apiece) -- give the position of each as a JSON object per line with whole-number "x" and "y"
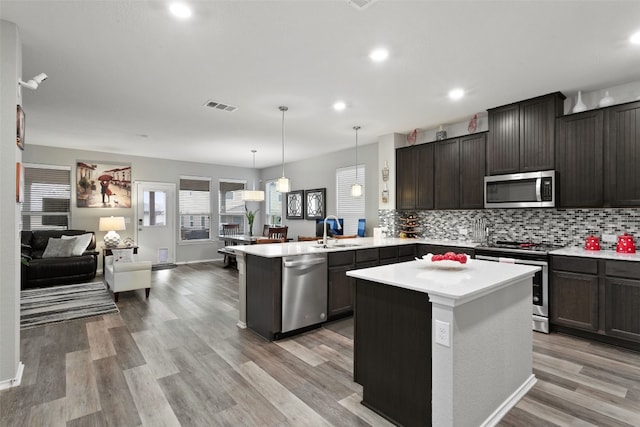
{"x": 580, "y": 106}
{"x": 606, "y": 101}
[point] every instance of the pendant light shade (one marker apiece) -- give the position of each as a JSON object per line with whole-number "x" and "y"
{"x": 283, "y": 185}
{"x": 253, "y": 195}
{"x": 356, "y": 189}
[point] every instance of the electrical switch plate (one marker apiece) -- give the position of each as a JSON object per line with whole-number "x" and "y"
{"x": 609, "y": 238}
{"x": 442, "y": 333}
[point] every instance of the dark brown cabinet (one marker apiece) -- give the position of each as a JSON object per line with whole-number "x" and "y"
{"x": 622, "y": 155}
{"x": 472, "y": 170}
{"x": 447, "y": 174}
{"x": 579, "y": 154}
{"x": 521, "y": 135}
{"x": 574, "y": 294}
{"x": 414, "y": 177}
{"x": 597, "y": 299}
{"x": 340, "y": 286}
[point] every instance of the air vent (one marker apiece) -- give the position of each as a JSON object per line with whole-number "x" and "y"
{"x": 360, "y": 4}
{"x": 220, "y": 106}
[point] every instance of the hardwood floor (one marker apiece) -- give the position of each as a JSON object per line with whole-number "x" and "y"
{"x": 179, "y": 359}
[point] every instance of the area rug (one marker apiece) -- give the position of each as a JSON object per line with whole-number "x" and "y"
{"x": 61, "y": 303}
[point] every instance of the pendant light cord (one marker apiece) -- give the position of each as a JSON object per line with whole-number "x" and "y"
{"x": 283, "y": 109}
{"x": 356, "y": 129}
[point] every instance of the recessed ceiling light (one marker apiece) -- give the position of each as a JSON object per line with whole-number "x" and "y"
{"x": 339, "y": 106}
{"x": 456, "y": 94}
{"x": 379, "y": 55}
{"x": 180, "y": 10}
{"x": 635, "y": 38}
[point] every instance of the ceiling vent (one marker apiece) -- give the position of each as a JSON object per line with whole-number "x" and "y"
{"x": 360, "y": 4}
{"x": 220, "y": 106}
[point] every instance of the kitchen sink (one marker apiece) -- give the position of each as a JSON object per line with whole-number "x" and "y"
{"x": 345, "y": 245}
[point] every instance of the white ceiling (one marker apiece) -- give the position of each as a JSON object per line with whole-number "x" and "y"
{"x": 127, "y": 77}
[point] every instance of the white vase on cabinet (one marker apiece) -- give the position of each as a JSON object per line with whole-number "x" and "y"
{"x": 580, "y": 106}
{"x": 606, "y": 101}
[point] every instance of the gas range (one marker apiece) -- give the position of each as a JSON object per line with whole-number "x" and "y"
{"x": 515, "y": 248}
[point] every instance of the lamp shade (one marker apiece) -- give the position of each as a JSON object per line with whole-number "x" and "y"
{"x": 356, "y": 190}
{"x": 283, "y": 185}
{"x": 112, "y": 223}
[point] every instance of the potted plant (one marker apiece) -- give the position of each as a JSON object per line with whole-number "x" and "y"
{"x": 251, "y": 216}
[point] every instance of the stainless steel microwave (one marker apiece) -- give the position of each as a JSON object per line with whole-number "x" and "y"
{"x": 521, "y": 190}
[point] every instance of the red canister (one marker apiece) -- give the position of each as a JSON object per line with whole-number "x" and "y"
{"x": 626, "y": 244}
{"x": 592, "y": 243}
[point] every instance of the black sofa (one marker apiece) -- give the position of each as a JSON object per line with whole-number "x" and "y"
{"x": 38, "y": 272}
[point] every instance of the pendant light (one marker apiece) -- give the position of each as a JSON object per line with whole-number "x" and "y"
{"x": 356, "y": 189}
{"x": 283, "y": 185}
{"x": 253, "y": 195}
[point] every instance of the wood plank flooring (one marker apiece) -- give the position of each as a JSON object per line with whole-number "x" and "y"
{"x": 178, "y": 359}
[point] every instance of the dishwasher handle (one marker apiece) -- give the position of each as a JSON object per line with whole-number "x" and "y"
{"x": 291, "y": 264}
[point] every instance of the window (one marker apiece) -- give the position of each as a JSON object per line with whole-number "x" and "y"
{"x": 195, "y": 208}
{"x": 47, "y": 197}
{"x": 350, "y": 208}
{"x": 273, "y": 204}
{"x": 231, "y": 204}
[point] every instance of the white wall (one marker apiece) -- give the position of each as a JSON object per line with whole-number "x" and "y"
{"x": 144, "y": 169}
{"x": 320, "y": 172}
{"x": 10, "y": 72}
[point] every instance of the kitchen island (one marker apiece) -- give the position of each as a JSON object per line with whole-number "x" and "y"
{"x": 268, "y": 256}
{"x": 473, "y": 367}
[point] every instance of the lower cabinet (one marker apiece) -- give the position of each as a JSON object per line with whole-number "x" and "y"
{"x": 596, "y": 298}
{"x": 340, "y": 286}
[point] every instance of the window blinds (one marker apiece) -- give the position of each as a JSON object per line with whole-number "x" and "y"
{"x": 348, "y": 207}
{"x": 47, "y": 197}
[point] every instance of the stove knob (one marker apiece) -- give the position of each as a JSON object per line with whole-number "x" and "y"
{"x": 536, "y": 299}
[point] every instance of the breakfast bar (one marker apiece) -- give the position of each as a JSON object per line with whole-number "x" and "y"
{"x": 443, "y": 346}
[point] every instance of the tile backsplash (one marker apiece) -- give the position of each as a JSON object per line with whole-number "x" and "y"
{"x": 566, "y": 227}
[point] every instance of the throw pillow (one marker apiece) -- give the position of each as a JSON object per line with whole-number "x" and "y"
{"x": 122, "y": 255}
{"x": 82, "y": 243}
{"x": 57, "y": 248}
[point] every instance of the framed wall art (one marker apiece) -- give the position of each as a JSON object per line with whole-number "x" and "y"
{"x": 103, "y": 185}
{"x": 19, "y": 183}
{"x": 20, "y": 127}
{"x": 295, "y": 204}
{"x": 315, "y": 203}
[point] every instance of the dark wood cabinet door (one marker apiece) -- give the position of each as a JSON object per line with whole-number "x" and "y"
{"x": 406, "y": 178}
{"x": 579, "y": 161}
{"x": 424, "y": 176}
{"x": 622, "y": 314}
{"x": 622, "y": 155}
{"x": 503, "y": 140}
{"x": 537, "y": 132}
{"x": 472, "y": 170}
{"x": 340, "y": 294}
{"x": 447, "y": 174}
{"x": 574, "y": 300}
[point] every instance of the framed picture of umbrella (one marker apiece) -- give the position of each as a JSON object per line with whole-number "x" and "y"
{"x": 103, "y": 185}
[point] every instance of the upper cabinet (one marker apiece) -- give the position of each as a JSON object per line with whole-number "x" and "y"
{"x": 445, "y": 174}
{"x": 521, "y": 135}
{"x": 579, "y": 159}
{"x": 414, "y": 177}
{"x": 622, "y": 155}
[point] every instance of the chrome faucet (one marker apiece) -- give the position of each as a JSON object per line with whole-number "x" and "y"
{"x": 324, "y": 231}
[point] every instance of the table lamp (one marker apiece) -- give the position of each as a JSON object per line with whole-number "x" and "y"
{"x": 111, "y": 224}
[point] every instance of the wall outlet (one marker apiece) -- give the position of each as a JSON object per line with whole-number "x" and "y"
{"x": 609, "y": 238}
{"x": 442, "y": 333}
{"x": 463, "y": 231}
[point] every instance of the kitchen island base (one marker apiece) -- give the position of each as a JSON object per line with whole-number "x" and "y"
{"x": 474, "y": 373}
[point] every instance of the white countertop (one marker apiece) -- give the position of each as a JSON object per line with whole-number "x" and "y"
{"x": 451, "y": 287}
{"x": 580, "y": 252}
{"x": 274, "y": 250}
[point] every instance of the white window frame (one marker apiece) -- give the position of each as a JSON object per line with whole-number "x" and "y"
{"x": 244, "y": 226}
{"x": 270, "y": 191}
{"x": 27, "y": 211}
{"x": 204, "y": 216}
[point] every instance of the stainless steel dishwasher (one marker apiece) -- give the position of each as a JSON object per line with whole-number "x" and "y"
{"x": 304, "y": 291}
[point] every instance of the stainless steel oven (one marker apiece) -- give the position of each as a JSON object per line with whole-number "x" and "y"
{"x": 536, "y": 255}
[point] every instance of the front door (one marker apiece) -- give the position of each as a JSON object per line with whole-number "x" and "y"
{"x": 155, "y": 219}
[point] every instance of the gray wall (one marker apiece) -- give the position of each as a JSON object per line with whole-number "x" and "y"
{"x": 10, "y": 72}
{"x": 320, "y": 172}
{"x": 144, "y": 169}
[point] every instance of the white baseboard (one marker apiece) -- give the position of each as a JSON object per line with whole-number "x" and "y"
{"x": 508, "y": 404}
{"x": 13, "y": 382}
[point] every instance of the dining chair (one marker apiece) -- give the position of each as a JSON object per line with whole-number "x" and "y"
{"x": 265, "y": 230}
{"x": 230, "y": 230}
{"x": 306, "y": 238}
{"x": 361, "y": 227}
{"x": 278, "y": 232}
{"x": 262, "y": 240}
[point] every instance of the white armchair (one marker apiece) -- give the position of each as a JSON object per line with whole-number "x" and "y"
{"x": 127, "y": 276}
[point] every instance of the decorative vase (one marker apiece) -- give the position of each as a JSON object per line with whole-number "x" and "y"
{"x": 606, "y": 101}
{"x": 580, "y": 106}
{"x": 251, "y": 228}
